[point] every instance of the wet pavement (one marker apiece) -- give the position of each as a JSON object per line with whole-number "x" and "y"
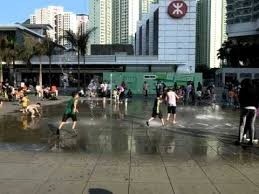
{"x": 115, "y": 152}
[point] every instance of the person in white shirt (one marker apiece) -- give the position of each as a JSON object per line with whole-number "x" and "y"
{"x": 171, "y": 98}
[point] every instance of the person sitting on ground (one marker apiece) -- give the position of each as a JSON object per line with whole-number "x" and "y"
{"x": 34, "y": 109}
{"x": 46, "y": 93}
{"x": 54, "y": 90}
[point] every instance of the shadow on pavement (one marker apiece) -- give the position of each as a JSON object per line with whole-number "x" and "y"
{"x": 99, "y": 191}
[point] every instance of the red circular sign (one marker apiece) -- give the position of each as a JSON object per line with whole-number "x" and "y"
{"x": 177, "y": 9}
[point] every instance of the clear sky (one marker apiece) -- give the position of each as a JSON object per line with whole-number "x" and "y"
{"x": 19, "y": 10}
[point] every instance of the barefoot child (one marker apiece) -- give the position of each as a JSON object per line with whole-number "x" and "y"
{"x": 157, "y": 110}
{"x": 33, "y": 110}
{"x": 24, "y": 102}
{"x": 70, "y": 112}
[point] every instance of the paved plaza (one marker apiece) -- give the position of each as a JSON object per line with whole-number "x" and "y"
{"x": 115, "y": 152}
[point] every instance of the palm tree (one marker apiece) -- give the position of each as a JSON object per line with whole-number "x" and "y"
{"x": 39, "y": 50}
{"x": 8, "y": 53}
{"x": 79, "y": 42}
{"x": 3, "y": 46}
{"x": 27, "y": 50}
{"x": 50, "y": 48}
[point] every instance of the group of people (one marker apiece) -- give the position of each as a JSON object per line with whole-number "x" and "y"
{"x": 29, "y": 109}
{"x": 189, "y": 94}
{"x": 170, "y": 98}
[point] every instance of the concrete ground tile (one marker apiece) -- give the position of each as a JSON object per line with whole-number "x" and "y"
{"x": 148, "y": 174}
{"x": 150, "y": 188}
{"x": 239, "y": 188}
{"x": 146, "y": 160}
{"x": 242, "y": 158}
{"x": 71, "y": 173}
{"x": 202, "y": 151}
{"x": 82, "y": 160}
{"x": 63, "y": 187}
{"x": 110, "y": 174}
{"x": 144, "y": 148}
{"x": 94, "y": 148}
{"x": 17, "y": 157}
{"x": 177, "y": 151}
{"x": 18, "y": 187}
{"x": 172, "y": 143}
{"x": 183, "y": 174}
{"x": 210, "y": 160}
{"x": 113, "y": 187}
{"x": 224, "y": 174}
{"x": 194, "y": 188}
{"x": 251, "y": 173}
{"x": 26, "y": 171}
{"x": 177, "y": 162}
{"x": 114, "y": 160}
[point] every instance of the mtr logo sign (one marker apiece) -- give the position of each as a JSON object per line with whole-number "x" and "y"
{"x": 177, "y": 9}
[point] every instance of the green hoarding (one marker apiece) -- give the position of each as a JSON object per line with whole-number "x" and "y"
{"x": 135, "y": 80}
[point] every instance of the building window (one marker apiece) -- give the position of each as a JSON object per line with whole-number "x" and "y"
{"x": 155, "y": 32}
{"x": 245, "y": 75}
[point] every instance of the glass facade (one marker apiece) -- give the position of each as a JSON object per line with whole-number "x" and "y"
{"x": 242, "y": 11}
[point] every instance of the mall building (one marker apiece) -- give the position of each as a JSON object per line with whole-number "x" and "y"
{"x": 242, "y": 28}
{"x": 164, "y": 50}
{"x": 169, "y": 32}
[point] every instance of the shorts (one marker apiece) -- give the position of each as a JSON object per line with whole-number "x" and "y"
{"x": 171, "y": 109}
{"x": 67, "y": 116}
{"x": 155, "y": 114}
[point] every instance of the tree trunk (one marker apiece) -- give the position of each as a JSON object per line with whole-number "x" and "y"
{"x": 1, "y": 71}
{"x": 40, "y": 76}
{"x": 84, "y": 75}
{"x": 50, "y": 71}
{"x": 14, "y": 73}
{"x": 78, "y": 71}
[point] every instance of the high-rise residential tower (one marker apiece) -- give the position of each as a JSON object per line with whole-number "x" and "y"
{"x": 64, "y": 22}
{"x": 60, "y": 22}
{"x": 211, "y": 31}
{"x": 144, "y": 6}
{"x": 125, "y": 15}
{"x": 47, "y": 16}
{"x": 243, "y": 18}
{"x": 100, "y": 17}
{"x": 82, "y": 22}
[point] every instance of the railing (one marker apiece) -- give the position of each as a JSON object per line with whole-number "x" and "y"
{"x": 95, "y": 59}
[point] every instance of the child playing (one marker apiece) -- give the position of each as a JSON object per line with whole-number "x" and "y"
{"x": 24, "y": 103}
{"x": 34, "y": 109}
{"x": 157, "y": 110}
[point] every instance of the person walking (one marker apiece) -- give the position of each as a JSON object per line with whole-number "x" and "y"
{"x": 159, "y": 88}
{"x": 157, "y": 111}
{"x": 145, "y": 89}
{"x": 171, "y": 98}
{"x": 70, "y": 112}
{"x": 248, "y": 98}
